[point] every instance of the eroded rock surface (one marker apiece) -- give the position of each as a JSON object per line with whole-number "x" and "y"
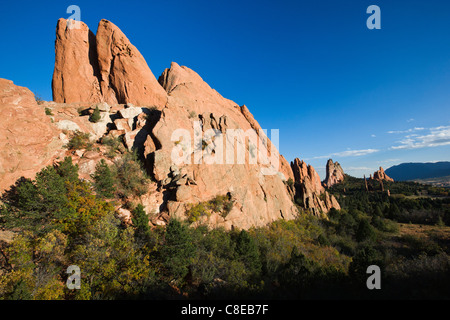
{"x": 28, "y": 139}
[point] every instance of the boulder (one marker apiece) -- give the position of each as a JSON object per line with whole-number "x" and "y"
{"x": 68, "y": 125}
{"x": 102, "y": 107}
{"x": 130, "y": 113}
{"x": 122, "y": 125}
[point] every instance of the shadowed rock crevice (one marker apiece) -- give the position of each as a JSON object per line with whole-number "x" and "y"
{"x": 93, "y": 56}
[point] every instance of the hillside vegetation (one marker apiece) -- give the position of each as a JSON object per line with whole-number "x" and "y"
{"x": 59, "y": 220}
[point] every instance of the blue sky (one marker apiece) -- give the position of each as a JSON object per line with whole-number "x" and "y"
{"x": 312, "y": 69}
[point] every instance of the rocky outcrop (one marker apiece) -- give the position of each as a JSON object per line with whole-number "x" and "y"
{"x": 334, "y": 174}
{"x": 206, "y": 125}
{"x": 105, "y": 67}
{"x": 381, "y": 175}
{"x": 28, "y": 139}
{"x": 310, "y": 191}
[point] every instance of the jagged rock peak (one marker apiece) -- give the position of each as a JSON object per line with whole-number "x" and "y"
{"x": 105, "y": 67}
{"x": 177, "y": 75}
{"x": 334, "y": 173}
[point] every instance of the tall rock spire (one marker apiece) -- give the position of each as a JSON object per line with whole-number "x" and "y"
{"x": 105, "y": 67}
{"x": 335, "y": 174}
{"x": 75, "y": 76}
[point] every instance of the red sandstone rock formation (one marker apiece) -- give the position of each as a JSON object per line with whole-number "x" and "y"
{"x": 381, "y": 175}
{"x": 310, "y": 189}
{"x": 334, "y": 174}
{"x": 105, "y": 67}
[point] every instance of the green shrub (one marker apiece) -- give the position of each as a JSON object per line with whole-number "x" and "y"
{"x": 365, "y": 231}
{"x": 79, "y": 140}
{"x": 290, "y": 182}
{"x": 221, "y": 204}
{"x": 67, "y": 170}
{"x": 365, "y": 256}
{"x": 131, "y": 178}
{"x": 48, "y": 111}
{"x": 178, "y": 250}
{"x": 38, "y": 99}
{"x": 247, "y": 252}
{"x": 95, "y": 116}
{"x": 192, "y": 114}
{"x": 115, "y": 144}
{"x": 197, "y": 211}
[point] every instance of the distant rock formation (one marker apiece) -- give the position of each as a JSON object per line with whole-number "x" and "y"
{"x": 105, "y": 67}
{"x": 380, "y": 175}
{"x": 28, "y": 139}
{"x": 334, "y": 174}
{"x": 310, "y": 190}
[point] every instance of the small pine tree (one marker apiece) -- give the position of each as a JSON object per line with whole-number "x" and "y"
{"x": 178, "y": 250}
{"x": 378, "y": 212}
{"x": 95, "y": 116}
{"x": 67, "y": 170}
{"x": 247, "y": 251}
{"x": 365, "y": 231}
{"x": 140, "y": 222}
{"x": 104, "y": 179}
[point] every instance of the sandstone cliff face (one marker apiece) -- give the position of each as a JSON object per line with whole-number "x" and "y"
{"x": 75, "y": 77}
{"x": 380, "y": 175}
{"x": 334, "y": 174}
{"x": 124, "y": 74}
{"x": 28, "y": 140}
{"x": 310, "y": 190}
{"x": 105, "y": 67}
{"x": 259, "y": 195}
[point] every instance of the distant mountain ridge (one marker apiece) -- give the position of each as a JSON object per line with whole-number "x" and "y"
{"x": 412, "y": 171}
